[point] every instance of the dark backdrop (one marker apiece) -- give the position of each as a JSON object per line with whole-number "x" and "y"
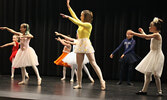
{"x": 111, "y": 20}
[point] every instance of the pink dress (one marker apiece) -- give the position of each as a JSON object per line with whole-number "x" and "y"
{"x": 26, "y": 55}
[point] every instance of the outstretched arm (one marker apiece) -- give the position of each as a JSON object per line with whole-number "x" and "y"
{"x": 64, "y": 36}
{"x": 73, "y": 43}
{"x": 62, "y": 41}
{"x": 10, "y": 30}
{"x": 142, "y": 32}
{"x": 112, "y": 54}
{"x": 155, "y": 35}
{"x": 7, "y": 44}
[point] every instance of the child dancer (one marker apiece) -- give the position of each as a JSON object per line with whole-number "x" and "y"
{"x": 26, "y": 55}
{"x": 153, "y": 62}
{"x": 128, "y": 58}
{"x": 71, "y": 57}
{"x": 66, "y": 51}
{"x": 14, "y": 51}
{"x": 84, "y": 45}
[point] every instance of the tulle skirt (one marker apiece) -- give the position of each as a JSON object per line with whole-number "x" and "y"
{"x": 71, "y": 59}
{"x": 25, "y": 58}
{"x": 153, "y": 62}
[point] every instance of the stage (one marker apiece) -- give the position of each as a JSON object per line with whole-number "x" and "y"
{"x": 53, "y": 88}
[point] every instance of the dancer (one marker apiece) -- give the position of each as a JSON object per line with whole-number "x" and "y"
{"x": 26, "y": 55}
{"x": 15, "y": 48}
{"x": 84, "y": 45}
{"x": 59, "y": 61}
{"x": 153, "y": 62}
{"x": 127, "y": 59}
{"x": 71, "y": 57}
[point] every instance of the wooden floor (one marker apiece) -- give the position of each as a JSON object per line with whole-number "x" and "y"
{"x": 53, "y": 88}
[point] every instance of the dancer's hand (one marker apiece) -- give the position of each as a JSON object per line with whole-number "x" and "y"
{"x": 122, "y": 55}
{"x": 57, "y": 33}
{"x": 64, "y": 16}
{"x": 3, "y": 28}
{"x": 130, "y": 32}
{"x": 68, "y": 3}
{"x": 111, "y": 56}
{"x": 58, "y": 39}
{"x": 141, "y": 30}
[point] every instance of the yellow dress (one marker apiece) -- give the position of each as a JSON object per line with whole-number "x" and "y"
{"x": 84, "y": 31}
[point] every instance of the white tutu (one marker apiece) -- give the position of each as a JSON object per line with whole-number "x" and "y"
{"x": 71, "y": 59}
{"x": 153, "y": 62}
{"x": 25, "y": 58}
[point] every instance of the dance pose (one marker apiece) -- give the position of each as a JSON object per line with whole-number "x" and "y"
{"x": 15, "y": 48}
{"x": 59, "y": 61}
{"x": 84, "y": 45}
{"x": 26, "y": 55}
{"x": 153, "y": 62}
{"x": 71, "y": 57}
{"x": 128, "y": 58}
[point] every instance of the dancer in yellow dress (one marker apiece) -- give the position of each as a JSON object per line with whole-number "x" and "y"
{"x": 84, "y": 45}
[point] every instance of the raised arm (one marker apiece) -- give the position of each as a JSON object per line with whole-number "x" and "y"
{"x": 64, "y": 36}
{"x": 10, "y": 30}
{"x": 71, "y": 11}
{"x": 7, "y": 44}
{"x": 142, "y": 32}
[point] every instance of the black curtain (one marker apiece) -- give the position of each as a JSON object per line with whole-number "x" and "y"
{"x": 111, "y": 20}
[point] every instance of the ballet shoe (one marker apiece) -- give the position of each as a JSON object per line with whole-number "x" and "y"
{"x": 141, "y": 93}
{"x": 27, "y": 75}
{"x": 91, "y": 79}
{"x": 22, "y": 83}
{"x": 71, "y": 80}
{"x": 77, "y": 87}
{"x": 103, "y": 85}
{"x": 63, "y": 78}
{"x": 12, "y": 77}
{"x": 159, "y": 93}
{"x": 39, "y": 81}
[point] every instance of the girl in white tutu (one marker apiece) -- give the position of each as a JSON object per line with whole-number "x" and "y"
{"x": 71, "y": 58}
{"x": 26, "y": 55}
{"x": 153, "y": 62}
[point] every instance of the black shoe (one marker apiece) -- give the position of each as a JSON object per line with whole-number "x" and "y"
{"x": 141, "y": 93}
{"x": 129, "y": 83}
{"x": 119, "y": 83}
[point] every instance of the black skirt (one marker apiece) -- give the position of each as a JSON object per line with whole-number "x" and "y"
{"x": 130, "y": 58}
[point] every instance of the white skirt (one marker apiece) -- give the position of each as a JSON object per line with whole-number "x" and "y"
{"x": 84, "y": 46}
{"x": 71, "y": 59}
{"x": 25, "y": 58}
{"x": 153, "y": 63}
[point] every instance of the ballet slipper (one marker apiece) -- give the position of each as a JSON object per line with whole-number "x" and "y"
{"x": 63, "y": 78}
{"x": 27, "y": 75}
{"x": 103, "y": 85}
{"x": 39, "y": 81}
{"x": 71, "y": 80}
{"x": 22, "y": 83}
{"x": 12, "y": 77}
{"x": 77, "y": 87}
{"x": 91, "y": 79}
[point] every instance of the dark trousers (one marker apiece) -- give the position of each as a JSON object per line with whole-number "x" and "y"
{"x": 126, "y": 70}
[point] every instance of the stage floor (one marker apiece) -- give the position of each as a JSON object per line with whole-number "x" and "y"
{"x": 53, "y": 88}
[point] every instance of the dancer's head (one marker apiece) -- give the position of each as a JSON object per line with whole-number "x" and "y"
{"x": 128, "y": 35}
{"x": 86, "y": 16}
{"x": 24, "y": 28}
{"x": 155, "y": 25}
{"x": 15, "y": 38}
